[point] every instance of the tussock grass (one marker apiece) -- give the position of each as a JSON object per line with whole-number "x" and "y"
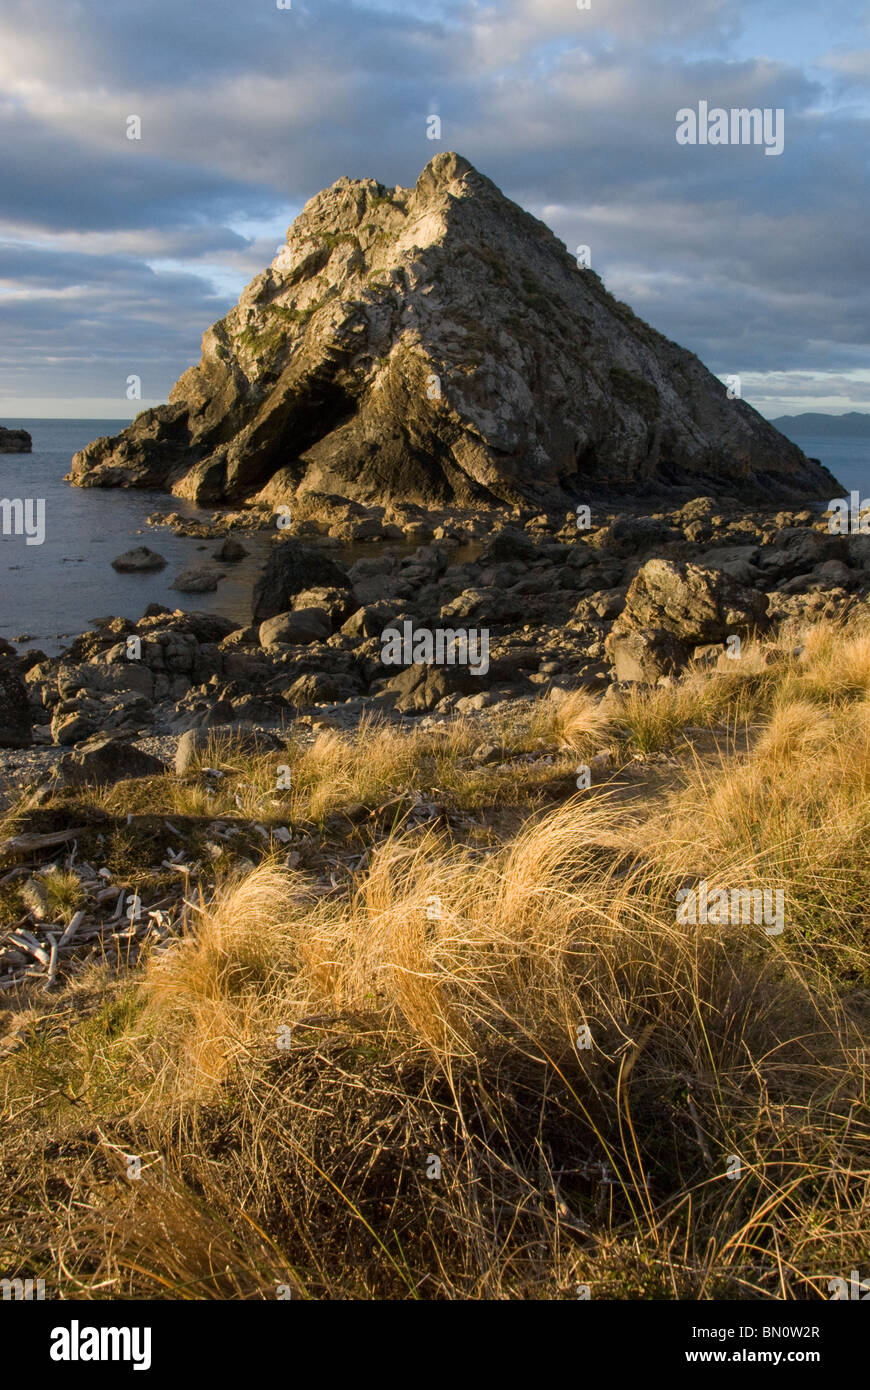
{"x": 577, "y": 721}
{"x": 793, "y": 814}
{"x": 376, "y": 764}
{"x": 456, "y": 1036}
{"x": 527, "y": 1016}
{"x": 63, "y": 893}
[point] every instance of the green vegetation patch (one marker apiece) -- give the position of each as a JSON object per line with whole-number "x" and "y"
{"x": 634, "y": 391}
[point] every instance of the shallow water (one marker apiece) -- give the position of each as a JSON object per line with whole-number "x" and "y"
{"x": 55, "y": 590}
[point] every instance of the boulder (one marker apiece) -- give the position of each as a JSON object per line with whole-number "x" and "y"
{"x": 138, "y": 560}
{"x": 508, "y": 546}
{"x": 419, "y": 688}
{"x": 812, "y": 607}
{"x": 215, "y": 715}
{"x": 190, "y": 745}
{"x": 202, "y": 627}
{"x": 296, "y": 628}
{"x": 858, "y": 551}
{"x": 291, "y": 568}
{"x": 672, "y": 608}
{"x": 486, "y": 753}
{"x": 633, "y": 535}
{"x": 320, "y": 688}
{"x": 369, "y": 621}
{"x": 694, "y": 604}
{"x": 337, "y": 603}
{"x": 644, "y": 655}
{"x": 833, "y": 574}
{"x": 830, "y": 574}
{"x": 382, "y": 588}
{"x": 607, "y": 603}
{"x": 105, "y": 760}
{"x": 740, "y": 561}
{"x": 72, "y": 726}
{"x": 246, "y": 740}
{"x": 230, "y": 551}
{"x": 430, "y": 559}
{"x": 797, "y": 550}
{"x": 490, "y": 605}
{"x": 707, "y": 654}
{"x": 16, "y": 730}
{"x": 699, "y": 509}
{"x": 201, "y": 580}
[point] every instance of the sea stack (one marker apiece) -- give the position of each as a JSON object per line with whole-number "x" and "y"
{"x": 438, "y": 344}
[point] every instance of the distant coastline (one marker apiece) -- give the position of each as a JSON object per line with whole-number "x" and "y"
{"x": 853, "y": 425}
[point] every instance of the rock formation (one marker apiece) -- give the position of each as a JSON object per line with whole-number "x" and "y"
{"x": 672, "y": 608}
{"x": 15, "y": 441}
{"x": 439, "y": 344}
{"x": 15, "y": 715}
{"x": 138, "y": 560}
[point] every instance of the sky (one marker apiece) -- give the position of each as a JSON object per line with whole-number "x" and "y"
{"x": 116, "y": 254}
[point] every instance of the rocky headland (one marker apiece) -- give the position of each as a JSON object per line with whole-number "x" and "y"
{"x": 438, "y": 345}
{"x": 426, "y": 375}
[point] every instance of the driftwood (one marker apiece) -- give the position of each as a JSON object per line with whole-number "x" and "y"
{"x": 52, "y": 963}
{"x": 29, "y": 844}
{"x": 26, "y": 941}
{"x": 14, "y": 873}
{"x": 71, "y": 930}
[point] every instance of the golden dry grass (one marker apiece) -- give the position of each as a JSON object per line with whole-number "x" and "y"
{"x": 588, "y": 1071}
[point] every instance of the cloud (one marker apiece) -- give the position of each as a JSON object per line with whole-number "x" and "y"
{"x": 86, "y": 323}
{"x": 853, "y": 64}
{"x": 119, "y": 250}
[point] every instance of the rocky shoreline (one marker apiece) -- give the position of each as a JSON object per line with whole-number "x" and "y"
{"x": 630, "y": 597}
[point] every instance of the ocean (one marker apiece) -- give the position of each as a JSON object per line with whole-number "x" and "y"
{"x": 51, "y": 592}
{"x": 848, "y": 459}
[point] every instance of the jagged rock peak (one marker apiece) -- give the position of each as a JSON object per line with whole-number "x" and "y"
{"x": 438, "y": 344}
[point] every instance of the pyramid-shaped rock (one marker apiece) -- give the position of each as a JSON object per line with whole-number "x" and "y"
{"x": 439, "y": 344}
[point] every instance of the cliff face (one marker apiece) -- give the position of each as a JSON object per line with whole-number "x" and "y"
{"x": 439, "y": 344}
